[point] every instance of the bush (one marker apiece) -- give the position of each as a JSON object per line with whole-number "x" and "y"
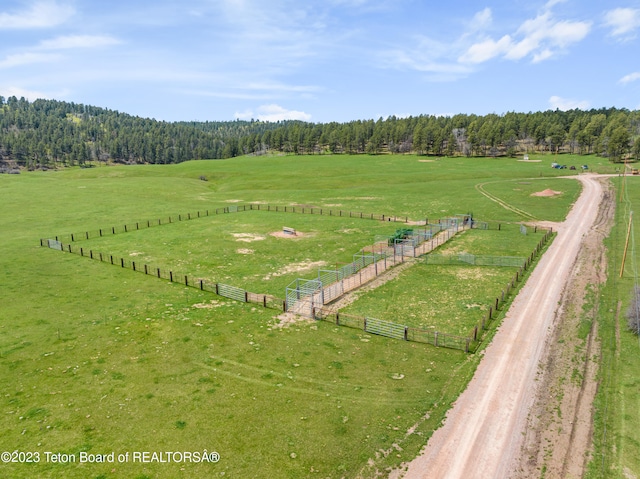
{"x": 633, "y": 313}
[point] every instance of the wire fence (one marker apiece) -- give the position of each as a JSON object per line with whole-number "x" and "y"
{"x": 475, "y": 260}
{"x": 364, "y": 260}
{"x": 477, "y": 332}
{"x": 145, "y": 224}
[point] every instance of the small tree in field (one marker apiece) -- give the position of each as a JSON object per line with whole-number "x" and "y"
{"x": 633, "y": 313}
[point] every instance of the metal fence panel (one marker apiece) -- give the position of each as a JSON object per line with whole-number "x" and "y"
{"x": 53, "y": 244}
{"x": 385, "y": 328}
{"x": 231, "y": 292}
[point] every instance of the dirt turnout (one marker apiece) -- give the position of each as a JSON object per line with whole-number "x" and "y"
{"x": 483, "y": 435}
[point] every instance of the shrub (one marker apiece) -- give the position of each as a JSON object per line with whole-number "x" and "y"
{"x": 633, "y": 313}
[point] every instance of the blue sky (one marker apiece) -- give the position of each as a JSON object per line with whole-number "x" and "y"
{"x": 322, "y": 60}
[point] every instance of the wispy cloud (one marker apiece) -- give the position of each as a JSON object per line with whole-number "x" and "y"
{"x": 273, "y": 113}
{"x": 623, "y": 22}
{"x": 41, "y": 14}
{"x": 28, "y": 58}
{"x": 564, "y": 104}
{"x": 78, "y": 41}
{"x": 30, "y": 95}
{"x": 631, "y": 77}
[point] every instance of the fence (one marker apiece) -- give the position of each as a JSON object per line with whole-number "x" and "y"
{"x": 140, "y": 225}
{"x": 476, "y": 260}
{"x": 318, "y": 291}
{"x": 369, "y": 263}
{"x": 477, "y": 331}
{"x": 225, "y": 290}
{"x": 370, "y": 325}
{"x": 394, "y": 330}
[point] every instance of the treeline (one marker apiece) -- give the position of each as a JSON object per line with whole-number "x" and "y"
{"x": 47, "y": 133}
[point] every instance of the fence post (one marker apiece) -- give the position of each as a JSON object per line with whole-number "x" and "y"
{"x": 475, "y": 333}
{"x": 87, "y": 234}
{"x": 337, "y": 319}
{"x": 284, "y": 306}
{"x": 201, "y": 285}
{"x": 264, "y": 300}
{"x": 186, "y": 280}
{"x": 113, "y": 230}
{"x": 497, "y": 300}
{"x": 81, "y": 252}
{"x": 125, "y": 228}
{"x": 146, "y": 271}
{"x": 91, "y": 254}
{"x": 435, "y": 336}
{"x": 490, "y": 312}
{"x": 72, "y": 239}
{"x": 171, "y": 276}
{"x": 158, "y": 272}
{"x": 122, "y": 262}
{"x": 133, "y": 263}
{"x": 466, "y": 349}
{"x": 217, "y": 289}
{"x": 406, "y": 333}
{"x": 246, "y": 297}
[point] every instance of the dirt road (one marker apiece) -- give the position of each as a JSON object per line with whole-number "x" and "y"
{"x": 482, "y": 436}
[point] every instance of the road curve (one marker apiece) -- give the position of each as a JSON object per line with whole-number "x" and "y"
{"x": 483, "y": 432}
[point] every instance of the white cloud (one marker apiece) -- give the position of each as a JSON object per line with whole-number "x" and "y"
{"x": 41, "y": 14}
{"x": 564, "y": 104}
{"x": 78, "y": 41}
{"x": 631, "y": 77}
{"x": 273, "y": 113}
{"x": 486, "y": 50}
{"x": 27, "y": 59}
{"x": 541, "y": 38}
{"x": 623, "y": 22}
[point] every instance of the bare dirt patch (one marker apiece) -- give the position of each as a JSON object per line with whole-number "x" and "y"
{"x": 283, "y": 235}
{"x": 233, "y": 201}
{"x": 296, "y": 267}
{"x": 248, "y": 237}
{"x": 289, "y": 319}
{"x": 547, "y": 193}
{"x": 244, "y": 251}
{"x": 427, "y": 161}
{"x": 210, "y": 305}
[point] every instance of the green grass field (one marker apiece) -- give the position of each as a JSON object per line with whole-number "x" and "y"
{"x": 617, "y": 423}
{"x": 98, "y": 359}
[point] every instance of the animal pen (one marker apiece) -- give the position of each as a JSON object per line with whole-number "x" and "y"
{"x": 308, "y": 297}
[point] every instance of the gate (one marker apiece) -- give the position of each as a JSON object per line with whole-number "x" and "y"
{"x": 303, "y": 295}
{"x": 385, "y": 328}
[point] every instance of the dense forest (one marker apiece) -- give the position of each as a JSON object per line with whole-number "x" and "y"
{"x": 49, "y": 133}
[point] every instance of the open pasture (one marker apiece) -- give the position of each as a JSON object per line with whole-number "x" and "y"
{"x": 98, "y": 359}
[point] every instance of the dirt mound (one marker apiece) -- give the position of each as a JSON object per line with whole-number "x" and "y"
{"x": 547, "y": 192}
